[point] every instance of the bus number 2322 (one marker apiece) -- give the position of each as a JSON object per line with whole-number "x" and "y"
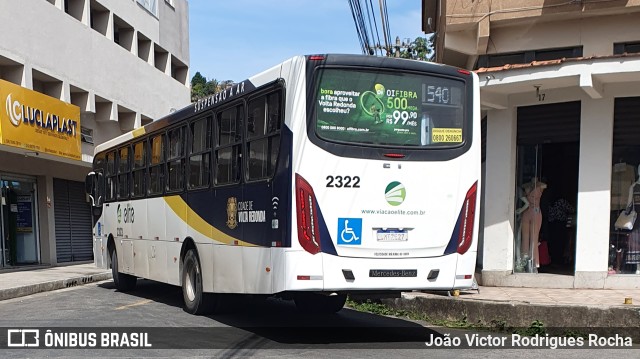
{"x": 343, "y": 181}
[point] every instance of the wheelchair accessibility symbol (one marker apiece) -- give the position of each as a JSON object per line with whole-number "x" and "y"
{"x": 350, "y": 231}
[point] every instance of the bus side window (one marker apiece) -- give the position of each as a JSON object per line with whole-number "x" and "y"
{"x": 156, "y": 165}
{"x": 175, "y": 160}
{"x": 123, "y": 173}
{"x": 264, "y": 136}
{"x": 110, "y": 188}
{"x": 199, "y": 153}
{"x": 228, "y": 145}
{"x": 139, "y": 169}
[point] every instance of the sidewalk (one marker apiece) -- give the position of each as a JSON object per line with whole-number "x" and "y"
{"x": 517, "y": 307}
{"x": 27, "y": 281}
{"x": 520, "y": 307}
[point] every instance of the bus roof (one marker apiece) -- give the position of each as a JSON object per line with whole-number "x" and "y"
{"x": 251, "y": 83}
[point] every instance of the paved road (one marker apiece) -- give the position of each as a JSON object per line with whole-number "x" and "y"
{"x": 254, "y": 328}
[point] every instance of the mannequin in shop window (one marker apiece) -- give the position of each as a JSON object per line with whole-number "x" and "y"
{"x": 633, "y": 203}
{"x": 531, "y": 222}
{"x": 522, "y": 191}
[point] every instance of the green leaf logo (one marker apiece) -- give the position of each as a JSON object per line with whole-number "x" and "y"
{"x": 395, "y": 193}
{"x": 119, "y": 214}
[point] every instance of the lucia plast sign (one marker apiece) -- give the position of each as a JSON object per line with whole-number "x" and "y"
{"x": 37, "y": 122}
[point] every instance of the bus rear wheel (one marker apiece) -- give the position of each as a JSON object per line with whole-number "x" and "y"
{"x": 123, "y": 282}
{"x": 319, "y": 304}
{"x": 195, "y": 300}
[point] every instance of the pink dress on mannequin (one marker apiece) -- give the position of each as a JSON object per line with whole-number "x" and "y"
{"x": 532, "y": 221}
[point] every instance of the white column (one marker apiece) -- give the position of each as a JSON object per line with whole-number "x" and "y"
{"x": 46, "y": 221}
{"x": 499, "y": 192}
{"x": 86, "y": 13}
{"x": 594, "y": 186}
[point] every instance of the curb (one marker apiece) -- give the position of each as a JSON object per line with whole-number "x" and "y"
{"x": 519, "y": 314}
{"x": 30, "y": 289}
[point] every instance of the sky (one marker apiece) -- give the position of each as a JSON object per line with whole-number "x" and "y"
{"x": 236, "y": 39}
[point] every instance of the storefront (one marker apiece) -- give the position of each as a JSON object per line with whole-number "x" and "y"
{"x": 562, "y": 163}
{"x": 44, "y": 216}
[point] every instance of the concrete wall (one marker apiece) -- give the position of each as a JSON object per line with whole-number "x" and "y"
{"x": 475, "y": 27}
{"x": 80, "y": 57}
{"x": 45, "y": 49}
{"x": 499, "y": 194}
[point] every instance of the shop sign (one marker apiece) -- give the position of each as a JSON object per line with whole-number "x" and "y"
{"x": 39, "y": 123}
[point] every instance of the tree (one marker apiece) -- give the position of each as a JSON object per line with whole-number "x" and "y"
{"x": 201, "y": 88}
{"x": 420, "y": 49}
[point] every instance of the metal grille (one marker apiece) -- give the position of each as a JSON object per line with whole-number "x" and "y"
{"x": 73, "y": 222}
{"x": 552, "y": 123}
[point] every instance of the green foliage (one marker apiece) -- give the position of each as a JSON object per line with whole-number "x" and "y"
{"x": 536, "y": 328}
{"x": 382, "y": 309}
{"x": 375, "y": 308}
{"x": 419, "y": 49}
{"x": 201, "y": 88}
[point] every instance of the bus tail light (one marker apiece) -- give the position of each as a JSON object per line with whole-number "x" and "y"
{"x": 468, "y": 217}
{"x": 307, "y": 216}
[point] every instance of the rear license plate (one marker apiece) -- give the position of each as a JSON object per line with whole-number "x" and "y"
{"x": 392, "y": 235}
{"x": 393, "y": 273}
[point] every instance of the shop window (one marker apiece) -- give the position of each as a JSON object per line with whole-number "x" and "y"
{"x": 263, "y": 132}
{"x": 228, "y": 145}
{"x": 138, "y": 174}
{"x": 199, "y": 154}
{"x": 156, "y": 165}
{"x": 123, "y": 173}
{"x": 175, "y": 160}
{"x": 624, "y": 244}
{"x": 546, "y": 194}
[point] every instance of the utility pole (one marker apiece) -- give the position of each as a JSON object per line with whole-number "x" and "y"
{"x": 384, "y": 28}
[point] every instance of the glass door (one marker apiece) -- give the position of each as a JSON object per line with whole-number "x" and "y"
{"x": 528, "y": 213}
{"x": 545, "y": 208}
{"x": 19, "y": 244}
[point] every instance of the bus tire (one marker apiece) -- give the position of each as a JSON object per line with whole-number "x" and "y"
{"x": 195, "y": 300}
{"x": 123, "y": 282}
{"x": 319, "y": 304}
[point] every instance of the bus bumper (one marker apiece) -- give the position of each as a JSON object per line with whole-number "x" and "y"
{"x": 324, "y": 272}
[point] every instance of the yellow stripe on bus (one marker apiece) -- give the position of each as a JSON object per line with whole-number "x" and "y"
{"x": 193, "y": 220}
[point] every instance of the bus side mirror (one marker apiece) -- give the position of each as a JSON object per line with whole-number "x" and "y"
{"x": 89, "y": 183}
{"x": 94, "y": 186}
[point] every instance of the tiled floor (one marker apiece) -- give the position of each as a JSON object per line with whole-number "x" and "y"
{"x": 582, "y": 297}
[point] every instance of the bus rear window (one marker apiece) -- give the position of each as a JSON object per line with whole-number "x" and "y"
{"x": 389, "y": 109}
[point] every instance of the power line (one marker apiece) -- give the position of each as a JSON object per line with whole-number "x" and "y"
{"x": 361, "y": 27}
{"x": 367, "y": 29}
{"x": 371, "y": 15}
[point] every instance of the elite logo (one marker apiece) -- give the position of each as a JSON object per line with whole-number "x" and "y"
{"x": 395, "y": 193}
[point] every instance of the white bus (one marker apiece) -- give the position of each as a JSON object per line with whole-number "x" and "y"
{"x": 322, "y": 176}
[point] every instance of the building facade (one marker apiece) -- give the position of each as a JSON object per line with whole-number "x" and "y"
{"x": 74, "y": 74}
{"x": 560, "y": 93}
